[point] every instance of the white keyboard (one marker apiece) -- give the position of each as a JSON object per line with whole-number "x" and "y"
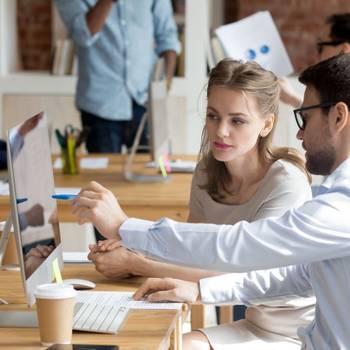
{"x": 101, "y": 312}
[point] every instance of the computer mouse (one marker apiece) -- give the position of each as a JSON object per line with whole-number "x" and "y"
{"x": 80, "y": 284}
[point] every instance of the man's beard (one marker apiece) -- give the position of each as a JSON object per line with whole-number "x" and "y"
{"x": 321, "y": 162}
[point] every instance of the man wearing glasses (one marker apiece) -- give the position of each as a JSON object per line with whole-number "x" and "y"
{"x": 312, "y": 242}
{"x": 336, "y": 40}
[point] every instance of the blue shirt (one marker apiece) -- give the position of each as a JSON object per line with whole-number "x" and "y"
{"x": 315, "y": 238}
{"x": 116, "y": 64}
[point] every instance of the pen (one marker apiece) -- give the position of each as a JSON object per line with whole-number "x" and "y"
{"x": 21, "y": 200}
{"x": 65, "y": 196}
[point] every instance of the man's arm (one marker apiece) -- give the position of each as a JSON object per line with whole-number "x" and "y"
{"x": 316, "y": 231}
{"x": 248, "y": 288}
{"x": 288, "y": 95}
{"x": 166, "y": 38}
{"x": 97, "y": 16}
{"x": 170, "y": 65}
{"x": 83, "y": 23}
{"x": 256, "y": 287}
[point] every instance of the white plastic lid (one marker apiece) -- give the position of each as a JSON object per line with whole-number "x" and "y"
{"x": 54, "y": 291}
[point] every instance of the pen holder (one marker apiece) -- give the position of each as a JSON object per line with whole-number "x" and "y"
{"x": 70, "y": 163}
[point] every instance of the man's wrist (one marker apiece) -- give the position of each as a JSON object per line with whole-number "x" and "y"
{"x": 117, "y": 230}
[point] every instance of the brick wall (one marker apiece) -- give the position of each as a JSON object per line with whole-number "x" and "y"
{"x": 34, "y": 33}
{"x": 298, "y": 21}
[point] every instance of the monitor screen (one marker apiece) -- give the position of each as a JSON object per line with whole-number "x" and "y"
{"x": 34, "y": 212}
{"x": 158, "y": 120}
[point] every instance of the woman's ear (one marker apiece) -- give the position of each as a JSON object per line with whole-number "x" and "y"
{"x": 338, "y": 117}
{"x": 269, "y": 122}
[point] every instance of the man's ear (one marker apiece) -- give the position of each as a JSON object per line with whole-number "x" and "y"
{"x": 338, "y": 117}
{"x": 345, "y": 48}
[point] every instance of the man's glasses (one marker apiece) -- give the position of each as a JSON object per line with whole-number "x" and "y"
{"x": 300, "y": 118}
{"x": 321, "y": 44}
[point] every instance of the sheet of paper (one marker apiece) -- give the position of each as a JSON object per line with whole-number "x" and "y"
{"x": 177, "y": 166}
{"x": 58, "y": 163}
{"x": 86, "y": 163}
{"x": 256, "y": 38}
{"x": 76, "y": 257}
{"x": 94, "y": 163}
{"x": 4, "y": 188}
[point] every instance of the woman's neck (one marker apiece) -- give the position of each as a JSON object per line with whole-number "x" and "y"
{"x": 246, "y": 173}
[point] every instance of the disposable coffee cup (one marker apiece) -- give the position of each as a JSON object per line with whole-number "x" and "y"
{"x": 55, "y": 305}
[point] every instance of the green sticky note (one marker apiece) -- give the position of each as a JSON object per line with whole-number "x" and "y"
{"x": 162, "y": 167}
{"x": 56, "y": 271}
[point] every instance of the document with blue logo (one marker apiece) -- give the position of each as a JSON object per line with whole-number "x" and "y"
{"x": 256, "y": 38}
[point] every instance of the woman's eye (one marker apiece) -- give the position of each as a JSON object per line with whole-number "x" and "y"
{"x": 212, "y": 116}
{"x": 236, "y": 121}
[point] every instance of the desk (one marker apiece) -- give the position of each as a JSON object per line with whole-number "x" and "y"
{"x": 143, "y": 200}
{"x": 143, "y": 329}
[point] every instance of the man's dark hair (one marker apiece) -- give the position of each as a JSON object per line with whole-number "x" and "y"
{"x": 330, "y": 78}
{"x": 340, "y": 26}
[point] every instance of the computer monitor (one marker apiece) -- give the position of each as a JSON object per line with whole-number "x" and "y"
{"x": 158, "y": 121}
{"x": 33, "y": 211}
{"x": 158, "y": 129}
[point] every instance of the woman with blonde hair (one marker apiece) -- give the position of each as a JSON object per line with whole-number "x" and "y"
{"x": 239, "y": 176}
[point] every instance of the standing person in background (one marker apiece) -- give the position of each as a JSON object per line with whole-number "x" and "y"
{"x": 117, "y": 44}
{"x": 335, "y": 40}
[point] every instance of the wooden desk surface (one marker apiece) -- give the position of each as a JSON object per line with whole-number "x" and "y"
{"x": 143, "y": 329}
{"x": 143, "y": 200}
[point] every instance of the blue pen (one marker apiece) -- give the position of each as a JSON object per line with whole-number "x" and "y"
{"x": 21, "y": 200}
{"x": 65, "y": 196}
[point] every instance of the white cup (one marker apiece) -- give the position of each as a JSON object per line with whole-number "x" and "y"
{"x": 55, "y": 306}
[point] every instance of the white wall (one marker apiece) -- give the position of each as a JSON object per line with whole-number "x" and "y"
{"x": 9, "y": 61}
{"x": 287, "y": 128}
{"x": 197, "y": 34}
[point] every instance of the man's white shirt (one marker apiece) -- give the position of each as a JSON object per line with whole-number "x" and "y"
{"x": 314, "y": 237}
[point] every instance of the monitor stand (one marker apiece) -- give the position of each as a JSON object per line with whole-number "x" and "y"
{"x": 3, "y": 245}
{"x": 11, "y": 318}
{"x": 128, "y": 173}
{"x": 4, "y": 238}
{"x": 6, "y": 232}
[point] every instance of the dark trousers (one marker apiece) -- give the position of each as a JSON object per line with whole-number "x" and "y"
{"x": 108, "y": 136}
{"x": 3, "y": 156}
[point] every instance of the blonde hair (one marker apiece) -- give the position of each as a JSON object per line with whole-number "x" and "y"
{"x": 263, "y": 85}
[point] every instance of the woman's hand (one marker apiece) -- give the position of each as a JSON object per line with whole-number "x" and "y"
{"x": 105, "y": 246}
{"x": 168, "y": 289}
{"x": 99, "y": 206}
{"x": 113, "y": 264}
